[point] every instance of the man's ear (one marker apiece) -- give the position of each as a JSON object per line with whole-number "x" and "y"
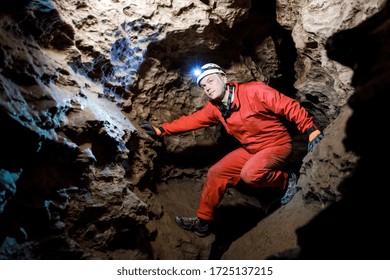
{"x": 224, "y": 79}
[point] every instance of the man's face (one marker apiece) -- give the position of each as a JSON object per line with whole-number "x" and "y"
{"x": 214, "y": 86}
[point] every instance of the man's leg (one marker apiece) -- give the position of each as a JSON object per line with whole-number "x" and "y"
{"x": 265, "y": 168}
{"x": 225, "y": 172}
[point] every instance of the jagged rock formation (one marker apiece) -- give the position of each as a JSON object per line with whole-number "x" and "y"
{"x": 80, "y": 180}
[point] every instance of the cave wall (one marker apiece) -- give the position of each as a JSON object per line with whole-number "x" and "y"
{"x": 76, "y": 172}
{"x": 363, "y": 208}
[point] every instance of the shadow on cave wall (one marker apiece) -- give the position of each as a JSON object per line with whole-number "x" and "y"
{"x": 356, "y": 226}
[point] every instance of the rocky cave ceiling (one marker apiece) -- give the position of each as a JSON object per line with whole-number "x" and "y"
{"x": 80, "y": 180}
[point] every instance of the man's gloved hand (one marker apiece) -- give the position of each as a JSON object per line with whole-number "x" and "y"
{"x": 151, "y": 130}
{"x": 314, "y": 138}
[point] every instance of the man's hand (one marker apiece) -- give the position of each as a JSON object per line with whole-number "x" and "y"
{"x": 151, "y": 130}
{"x": 314, "y": 138}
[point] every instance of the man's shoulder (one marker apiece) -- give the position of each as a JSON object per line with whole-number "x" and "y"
{"x": 254, "y": 87}
{"x": 253, "y": 84}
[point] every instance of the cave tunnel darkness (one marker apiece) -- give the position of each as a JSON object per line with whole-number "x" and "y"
{"x": 262, "y": 22}
{"x": 234, "y": 221}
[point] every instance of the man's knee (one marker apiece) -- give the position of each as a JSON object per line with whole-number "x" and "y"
{"x": 213, "y": 171}
{"x": 251, "y": 177}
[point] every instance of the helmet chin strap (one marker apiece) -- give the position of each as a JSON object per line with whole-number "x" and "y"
{"x": 228, "y": 109}
{"x": 225, "y": 85}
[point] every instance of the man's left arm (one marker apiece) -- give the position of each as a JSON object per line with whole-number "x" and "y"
{"x": 293, "y": 111}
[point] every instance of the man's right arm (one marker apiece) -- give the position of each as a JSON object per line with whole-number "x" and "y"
{"x": 204, "y": 117}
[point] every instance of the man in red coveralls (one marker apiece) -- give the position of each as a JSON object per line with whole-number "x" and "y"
{"x": 251, "y": 113}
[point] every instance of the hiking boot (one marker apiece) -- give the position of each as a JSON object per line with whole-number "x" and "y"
{"x": 291, "y": 188}
{"x": 194, "y": 225}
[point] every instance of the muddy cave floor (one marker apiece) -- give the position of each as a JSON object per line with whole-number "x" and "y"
{"x": 241, "y": 210}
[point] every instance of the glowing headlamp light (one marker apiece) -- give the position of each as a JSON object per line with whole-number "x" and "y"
{"x": 207, "y": 69}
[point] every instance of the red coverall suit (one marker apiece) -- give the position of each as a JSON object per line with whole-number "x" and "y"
{"x": 266, "y": 143}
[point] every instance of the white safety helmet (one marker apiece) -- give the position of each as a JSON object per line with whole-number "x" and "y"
{"x": 207, "y": 69}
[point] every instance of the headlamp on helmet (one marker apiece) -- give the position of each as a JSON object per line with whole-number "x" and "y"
{"x": 207, "y": 69}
